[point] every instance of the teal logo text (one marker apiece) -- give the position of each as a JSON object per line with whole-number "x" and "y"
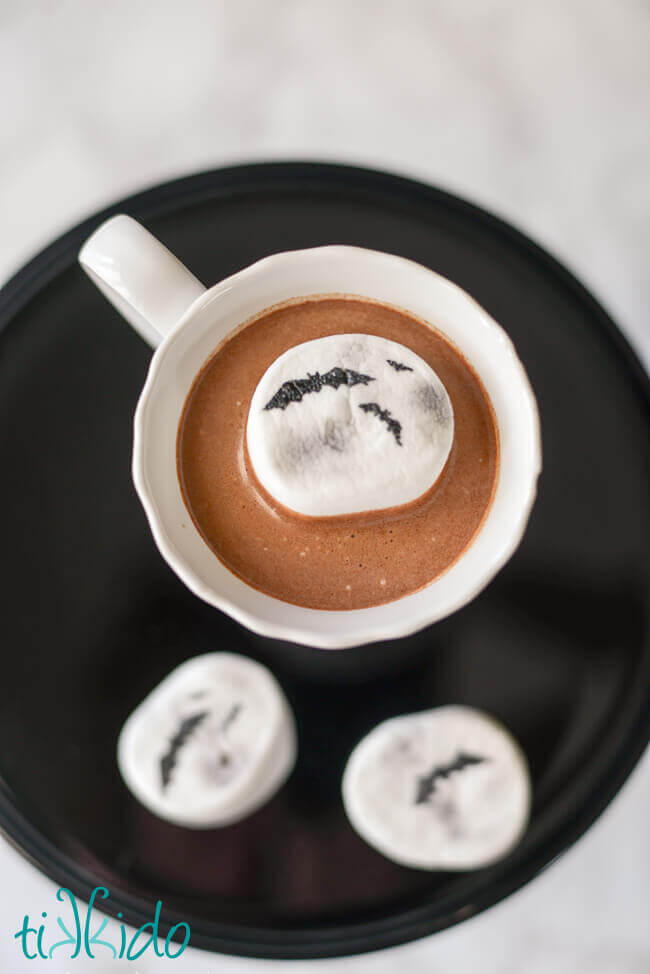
{"x": 79, "y": 938}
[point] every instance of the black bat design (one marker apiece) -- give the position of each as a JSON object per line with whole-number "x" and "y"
{"x": 426, "y": 785}
{"x": 187, "y": 727}
{"x": 399, "y": 366}
{"x": 294, "y": 389}
{"x": 230, "y": 717}
{"x": 384, "y": 415}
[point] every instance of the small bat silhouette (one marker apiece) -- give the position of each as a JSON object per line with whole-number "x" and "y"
{"x": 294, "y": 389}
{"x": 399, "y": 366}
{"x": 426, "y": 785}
{"x": 186, "y": 728}
{"x": 230, "y": 717}
{"x": 384, "y": 415}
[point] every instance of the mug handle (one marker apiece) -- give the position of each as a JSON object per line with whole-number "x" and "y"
{"x": 139, "y": 276}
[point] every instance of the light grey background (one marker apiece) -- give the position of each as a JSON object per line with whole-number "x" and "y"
{"x": 537, "y": 111}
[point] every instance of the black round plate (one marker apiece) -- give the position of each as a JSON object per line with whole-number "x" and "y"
{"x": 557, "y": 647}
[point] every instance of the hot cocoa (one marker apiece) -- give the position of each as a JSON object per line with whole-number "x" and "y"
{"x": 350, "y": 560}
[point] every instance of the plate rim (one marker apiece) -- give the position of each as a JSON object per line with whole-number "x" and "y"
{"x": 309, "y": 942}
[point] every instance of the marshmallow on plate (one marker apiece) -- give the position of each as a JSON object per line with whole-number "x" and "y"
{"x": 211, "y": 743}
{"x": 348, "y": 423}
{"x": 442, "y": 789}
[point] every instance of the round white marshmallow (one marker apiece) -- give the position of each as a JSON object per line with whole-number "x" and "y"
{"x": 443, "y": 789}
{"x": 348, "y": 423}
{"x": 210, "y": 744}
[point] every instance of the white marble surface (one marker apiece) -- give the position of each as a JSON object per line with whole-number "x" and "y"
{"x": 538, "y": 111}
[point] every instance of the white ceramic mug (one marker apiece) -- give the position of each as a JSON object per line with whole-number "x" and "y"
{"x": 185, "y": 322}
